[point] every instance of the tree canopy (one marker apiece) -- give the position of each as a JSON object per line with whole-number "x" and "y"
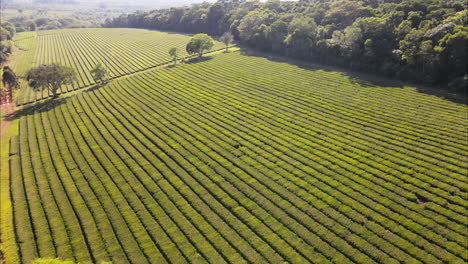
{"x": 227, "y": 38}
{"x": 199, "y": 44}
{"x": 412, "y": 39}
{"x": 100, "y": 73}
{"x": 9, "y": 78}
{"x": 50, "y": 77}
{"x": 173, "y": 53}
{"x": 5, "y": 51}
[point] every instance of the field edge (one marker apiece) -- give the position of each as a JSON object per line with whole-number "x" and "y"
{"x": 8, "y": 243}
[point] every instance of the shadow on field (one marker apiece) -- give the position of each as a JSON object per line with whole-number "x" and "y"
{"x": 40, "y": 107}
{"x": 361, "y": 78}
{"x": 198, "y": 59}
{"x": 95, "y": 87}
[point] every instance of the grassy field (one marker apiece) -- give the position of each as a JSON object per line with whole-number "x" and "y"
{"x": 122, "y": 51}
{"x": 239, "y": 159}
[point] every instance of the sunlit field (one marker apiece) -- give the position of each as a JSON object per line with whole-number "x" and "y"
{"x": 234, "y": 158}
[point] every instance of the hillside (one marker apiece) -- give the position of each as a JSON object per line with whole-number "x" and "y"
{"x": 123, "y": 51}
{"x": 236, "y": 158}
{"x": 418, "y": 40}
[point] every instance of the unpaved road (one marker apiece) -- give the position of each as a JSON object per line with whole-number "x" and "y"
{"x": 5, "y": 123}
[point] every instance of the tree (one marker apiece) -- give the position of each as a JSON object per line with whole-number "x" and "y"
{"x": 302, "y": 37}
{"x": 276, "y": 33}
{"x": 227, "y": 39}
{"x": 342, "y": 13}
{"x": 274, "y": 5}
{"x": 9, "y": 78}
{"x": 199, "y": 43}
{"x": 4, "y": 34}
{"x": 32, "y": 26}
{"x": 252, "y": 26}
{"x": 5, "y": 51}
{"x": 10, "y": 28}
{"x": 453, "y": 52}
{"x": 173, "y": 54}
{"x": 50, "y": 77}
{"x": 379, "y": 39}
{"x": 100, "y": 73}
{"x": 426, "y": 53}
{"x": 215, "y": 15}
{"x": 352, "y": 41}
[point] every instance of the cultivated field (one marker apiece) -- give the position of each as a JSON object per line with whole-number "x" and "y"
{"x": 123, "y": 51}
{"x": 235, "y": 159}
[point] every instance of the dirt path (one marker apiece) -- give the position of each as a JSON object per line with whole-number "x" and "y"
{"x": 7, "y": 111}
{"x": 8, "y": 114}
{"x": 15, "y": 53}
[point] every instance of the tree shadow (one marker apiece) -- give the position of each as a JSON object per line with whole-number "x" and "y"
{"x": 198, "y": 59}
{"x": 40, "y": 107}
{"x": 361, "y": 78}
{"x": 96, "y": 87}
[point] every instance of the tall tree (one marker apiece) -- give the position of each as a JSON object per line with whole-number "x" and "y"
{"x": 252, "y": 27}
{"x": 10, "y": 81}
{"x": 9, "y": 78}
{"x": 100, "y": 73}
{"x": 50, "y": 77}
{"x": 301, "y": 38}
{"x": 32, "y": 26}
{"x": 199, "y": 44}
{"x": 5, "y": 51}
{"x": 227, "y": 38}
{"x": 453, "y": 50}
{"x": 276, "y": 33}
{"x": 173, "y": 54}
{"x": 4, "y": 34}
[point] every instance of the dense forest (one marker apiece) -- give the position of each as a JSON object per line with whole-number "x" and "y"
{"x": 419, "y": 40}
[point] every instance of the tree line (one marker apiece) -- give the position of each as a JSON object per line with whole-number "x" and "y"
{"x": 420, "y": 40}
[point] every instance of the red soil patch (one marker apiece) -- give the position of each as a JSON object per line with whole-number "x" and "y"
{"x": 9, "y": 111}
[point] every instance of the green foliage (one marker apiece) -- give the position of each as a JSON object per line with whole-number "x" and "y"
{"x": 32, "y": 26}
{"x": 302, "y": 36}
{"x": 50, "y": 77}
{"x": 100, "y": 73}
{"x": 343, "y": 13}
{"x": 393, "y": 30}
{"x": 9, "y": 78}
{"x": 10, "y": 28}
{"x": 173, "y": 53}
{"x": 227, "y": 38}
{"x": 5, "y": 51}
{"x": 51, "y": 261}
{"x": 253, "y": 26}
{"x": 59, "y": 261}
{"x": 4, "y": 34}
{"x": 276, "y": 34}
{"x": 199, "y": 44}
{"x": 454, "y": 52}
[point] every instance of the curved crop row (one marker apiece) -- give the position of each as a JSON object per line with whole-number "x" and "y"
{"x": 122, "y": 51}
{"x": 238, "y": 159}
